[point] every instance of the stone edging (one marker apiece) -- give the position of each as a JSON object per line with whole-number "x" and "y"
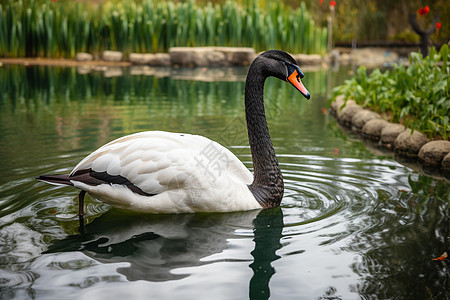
{"x": 433, "y": 156}
{"x": 210, "y": 57}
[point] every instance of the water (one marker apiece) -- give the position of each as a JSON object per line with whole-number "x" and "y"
{"x": 352, "y": 224}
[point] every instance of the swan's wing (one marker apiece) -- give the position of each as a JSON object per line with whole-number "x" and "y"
{"x": 156, "y": 161}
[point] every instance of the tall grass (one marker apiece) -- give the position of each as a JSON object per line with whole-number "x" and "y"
{"x": 61, "y": 29}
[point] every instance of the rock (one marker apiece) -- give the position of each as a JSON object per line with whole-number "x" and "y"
{"x": 346, "y": 115}
{"x": 160, "y": 59}
{"x": 112, "y": 56}
{"x": 83, "y": 56}
{"x": 211, "y": 56}
{"x": 373, "y": 57}
{"x": 344, "y": 59}
{"x": 181, "y": 56}
{"x": 389, "y": 133}
{"x": 372, "y": 129}
{"x": 141, "y": 58}
{"x": 238, "y": 56}
{"x": 445, "y": 165}
{"x": 432, "y": 153}
{"x": 307, "y": 59}
{"x": 362, "y": 117}
{"x": 337, "y": 105}
{"x": 409, "y": 144}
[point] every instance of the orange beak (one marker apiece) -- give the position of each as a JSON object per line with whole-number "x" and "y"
{"x": 294, "y": 79}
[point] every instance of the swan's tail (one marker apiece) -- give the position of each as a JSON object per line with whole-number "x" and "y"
{"x": 56, "y": 179}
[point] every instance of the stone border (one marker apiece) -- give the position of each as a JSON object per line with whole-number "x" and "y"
{"x": 433, "y": 156}
{"x": 211, "y": 57}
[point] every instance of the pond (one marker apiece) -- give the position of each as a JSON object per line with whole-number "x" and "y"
{"x": 352, "y": 224}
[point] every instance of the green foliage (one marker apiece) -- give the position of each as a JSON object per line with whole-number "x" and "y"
{"x": 417, "y": 96}
{"x": 61, "y": 29}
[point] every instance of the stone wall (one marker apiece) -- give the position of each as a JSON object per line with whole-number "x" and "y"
{"x": 196, "y": 57}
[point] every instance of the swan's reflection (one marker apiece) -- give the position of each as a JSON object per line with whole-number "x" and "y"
{"x": 268, "y": 227}
{"x": 154, "y": 245}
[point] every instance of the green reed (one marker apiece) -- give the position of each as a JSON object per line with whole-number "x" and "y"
{"x": 61, "y": 29}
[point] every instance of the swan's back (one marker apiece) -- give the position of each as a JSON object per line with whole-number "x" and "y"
{"x": 176, "y": 173}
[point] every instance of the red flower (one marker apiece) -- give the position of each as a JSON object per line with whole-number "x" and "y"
{"x": 424, "y": 11}
{"x": 320, "y": 1}
{"x": 333, "y": 3}
{"x": 438, "y": 25}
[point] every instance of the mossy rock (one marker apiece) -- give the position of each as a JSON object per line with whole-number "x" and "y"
{"x": 346, "y": 115}
{"x": 390, "y": 133}
{"x": 409, "y": 144}
{"x": 433, "y": 153}
{"x": 362, "y": 117}
{"x": 372, "y": 129}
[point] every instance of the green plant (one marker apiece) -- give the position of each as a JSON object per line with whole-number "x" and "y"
{"x": 417, "y": 96}
{"x": 63, "y": 28}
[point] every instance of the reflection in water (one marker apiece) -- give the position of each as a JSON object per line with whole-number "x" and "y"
{"x": 397, "y": 248}
{"x": 353, "y": 224}
{"x": 155, "y": 245}
{"x": 268, "y": 228}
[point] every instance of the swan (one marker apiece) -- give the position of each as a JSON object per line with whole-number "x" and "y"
{"x": 166, "y": 172}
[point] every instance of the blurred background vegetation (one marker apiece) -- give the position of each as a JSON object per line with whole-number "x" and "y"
{"x": 59, "y": 28}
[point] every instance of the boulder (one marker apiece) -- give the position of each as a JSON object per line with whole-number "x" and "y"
{"x": 409, "y": 144}
{"x": 344, "y": 59}
{"x": 308, "y": 59}
{"x": 362, "y": 117}
{"x": 141, "y": 58}
{"x": 446, "y": 163}
{"x": 83, "y": 56}
{"x": 372, "y": 129}
{"x": 238, "y": 56}
{"x": 389, "y": 133}
{"x": 337, "y": 105}
{"x": 181, "y": 56}
{"x": 346, "y": 115}
{"x": 432, "y": 153}
{"x": 112, "y": 56}
{"x": 373, "y": 57}
{"x": 211, "y": 56}
{"x": 160, "y": 59}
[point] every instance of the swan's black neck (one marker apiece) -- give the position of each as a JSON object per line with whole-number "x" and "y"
{"x": 267, "y": 186}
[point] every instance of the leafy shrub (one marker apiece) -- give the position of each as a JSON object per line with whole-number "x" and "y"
{"x": 417, "y": 96}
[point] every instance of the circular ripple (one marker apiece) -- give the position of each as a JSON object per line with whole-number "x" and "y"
{"x": 327, "y": 191}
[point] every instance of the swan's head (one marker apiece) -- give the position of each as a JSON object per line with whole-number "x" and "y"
{"x": 281, "y": 65}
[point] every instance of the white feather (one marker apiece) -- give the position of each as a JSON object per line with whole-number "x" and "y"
{"x": 185, "y": 173}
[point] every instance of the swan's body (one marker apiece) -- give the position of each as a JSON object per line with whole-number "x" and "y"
{"x": 175, "y": 172}
{"x": 164, "y": 172}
